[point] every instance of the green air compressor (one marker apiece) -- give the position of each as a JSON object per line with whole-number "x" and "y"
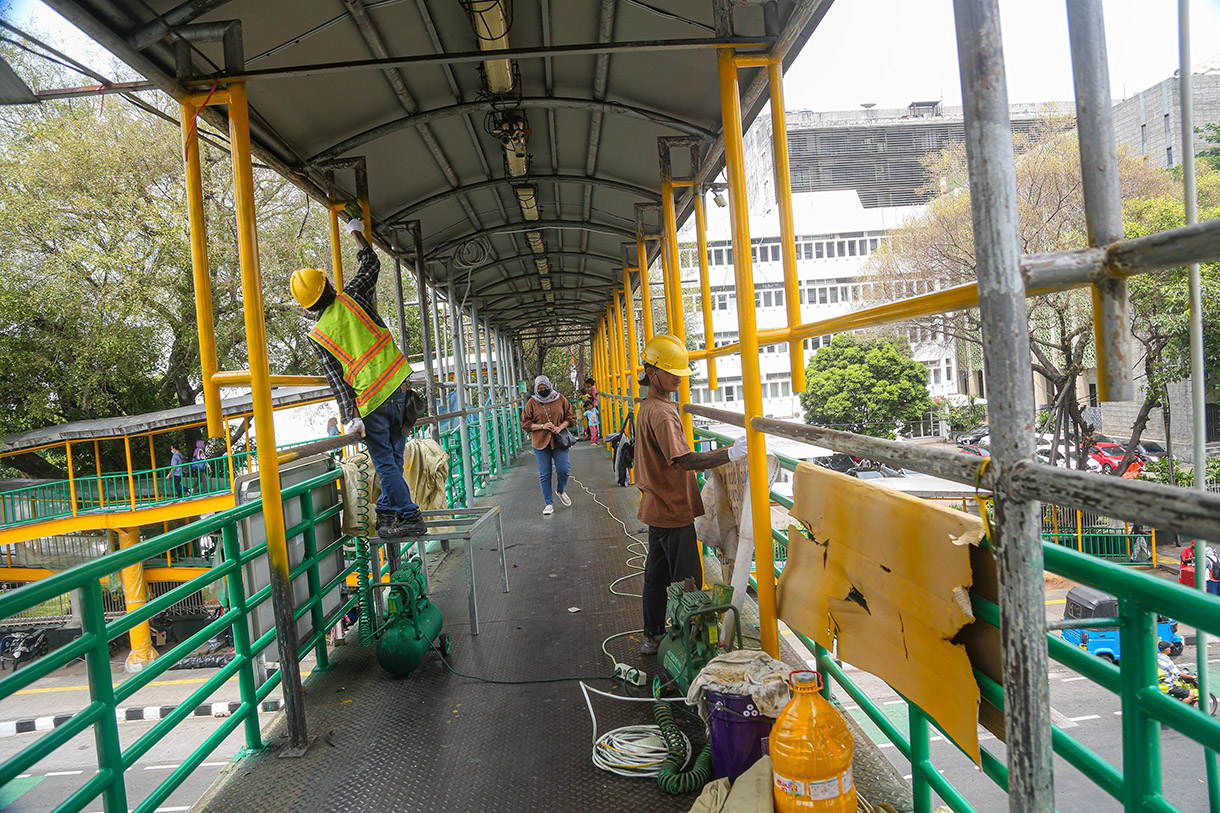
{"x": 693, "y": 637}
{"x": 412, "y": 623}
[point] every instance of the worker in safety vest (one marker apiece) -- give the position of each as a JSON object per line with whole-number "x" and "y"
{"x": 366, "y": 372}
{"x": 665, "y": 470}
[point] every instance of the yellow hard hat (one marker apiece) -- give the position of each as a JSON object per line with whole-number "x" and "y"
{"x": 669, "y": 354}
{"x": 308, "y": 285}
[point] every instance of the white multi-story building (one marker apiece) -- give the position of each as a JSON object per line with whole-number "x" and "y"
{"x": 856, "y": 175}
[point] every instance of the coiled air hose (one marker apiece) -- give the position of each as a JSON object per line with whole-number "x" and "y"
{"x": 672, "y": 778}
{"x": 364, "y": 595}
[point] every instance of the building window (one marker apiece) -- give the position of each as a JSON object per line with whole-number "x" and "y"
{"x": 730, "y": 392}
{"x": 767, "y": 299}
{"x": 834, "y": 296}
{"x": 808, "y": 251}
{"x": 775, "y": 253}
{"x": 821, "y": 296}
{"x": 1169, "y": 156}
{"x": 785, "y": 388}
{"x": 851, "y": 248}
{"x": 842, "y": 249}
{"x": 1167, "y": 130}
{"x": 1143, "y": 138}
{"x": 872, "y": 246}
{"x": 719, "y": 254}
{"x": 819, "y": 250}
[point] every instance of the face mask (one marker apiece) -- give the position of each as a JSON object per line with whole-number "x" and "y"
{"x": 544, "y": 392}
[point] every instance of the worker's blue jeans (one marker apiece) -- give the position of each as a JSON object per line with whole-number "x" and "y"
{"x": 384, "y": 439}
{"x": 560, "y": 459}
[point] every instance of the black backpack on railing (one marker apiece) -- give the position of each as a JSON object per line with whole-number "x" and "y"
{"x": 623, "y": 451}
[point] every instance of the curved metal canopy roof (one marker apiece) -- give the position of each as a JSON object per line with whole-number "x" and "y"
{"x": 492, "y": 121}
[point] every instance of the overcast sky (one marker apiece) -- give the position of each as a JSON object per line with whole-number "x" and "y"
{"x": 892, "y": 52}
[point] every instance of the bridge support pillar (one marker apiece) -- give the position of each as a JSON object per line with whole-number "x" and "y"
{"x": 135, "y": 592}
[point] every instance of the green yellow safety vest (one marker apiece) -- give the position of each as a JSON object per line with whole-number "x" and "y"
{"x": 372, "y": 364}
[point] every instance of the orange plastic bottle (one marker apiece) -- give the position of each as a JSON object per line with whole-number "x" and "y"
{"x": 811, "y": 752}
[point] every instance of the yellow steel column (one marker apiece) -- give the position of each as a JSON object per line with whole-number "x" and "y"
{"x": 787, "y": 232}
{"x": 624, "y": 364}
{"x": 705, "y": 283}
{"x": 666, "y": 285}
{"x": 199, "y": 263}
{"x": 336, "y": 246}
{"x": 674, "y": 304}
{"x": 135, "y": 594}
{"x": 612, "y": 354}
{"x": 152, "y": 461}
{"x": 260, "y": 385}
{"x": 71, "y": 477}
{"x": 641, "y": 259}
{"x": 131, "y": 480}
{"x": 633, "y": 348}
{"x": 97, "y": 464}
{"x": 603, "y": 404}
{"x": 747, "y": 325}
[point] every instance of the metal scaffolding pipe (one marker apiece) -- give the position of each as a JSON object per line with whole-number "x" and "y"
{"x": 1102, "y": 195}
{"x": 1018, "y": 545}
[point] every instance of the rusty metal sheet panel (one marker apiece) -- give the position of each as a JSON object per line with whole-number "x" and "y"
{"x": 887, "y": 575}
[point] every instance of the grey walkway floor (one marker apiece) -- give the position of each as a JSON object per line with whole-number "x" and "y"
{"x": 439, "y": 742}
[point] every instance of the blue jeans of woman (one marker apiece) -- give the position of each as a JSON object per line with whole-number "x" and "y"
{"x": 385, "y": 442}
{"x": 560, "y": 458}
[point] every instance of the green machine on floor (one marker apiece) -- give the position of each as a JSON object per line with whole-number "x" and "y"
{"x": 693, "y": 637}
{"x": 412, "y": 623}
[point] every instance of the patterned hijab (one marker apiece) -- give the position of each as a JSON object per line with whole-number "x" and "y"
{"x": 540, "y": 382}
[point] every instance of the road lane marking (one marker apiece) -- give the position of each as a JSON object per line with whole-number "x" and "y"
{"x": 1085, "y": 717}
{"x": 1069, "y": 680}
{"x": 1056, "y": 601}
{"x": 893, "y": 702}
{"x": 1060, "y": 719}
{"x": 64, "y": 773}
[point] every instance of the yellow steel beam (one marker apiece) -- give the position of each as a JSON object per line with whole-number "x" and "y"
{"x": 739, "y": 214}
{"x": 624, "y": 363}
{"x": 204, "y": 319}
{"x": 175, "y": 573}
{"x": 675, "y": 305}
{"x": 709, "y": 337}
{"x": 118, "y": 519}
{"x": 213, "y": 96}
{"x": 667, "y": 281}
{"x": 241, "y": 378}
{"x": 783, "y": 194}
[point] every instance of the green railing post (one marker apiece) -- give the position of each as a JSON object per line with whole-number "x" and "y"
{"x": 317, "y": 617}
{"x": 241, "y": 637}
{"x": 920, "y": 761}
{"x": 1141, "y": 735}
{"x": 101, "y": 688}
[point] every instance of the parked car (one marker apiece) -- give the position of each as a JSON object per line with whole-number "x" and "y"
{"x": 835, "y": 462}
{"x": 1109, "y": 456}
{"x": 1063, "y": 458}
{"x": 1150, "y": 451}
{"x": 1085, "y": 602}
{"x": 977, "y": 451}
{"x": 972, "y": 436}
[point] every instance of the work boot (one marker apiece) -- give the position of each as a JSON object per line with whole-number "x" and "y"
{"x": 651, "y": 644}
{"x": 406, "y": 526}
{"x": 385, "y": 521}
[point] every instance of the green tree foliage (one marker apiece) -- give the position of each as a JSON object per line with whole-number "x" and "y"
{"x": 97, "y": 298}
{"x": 870, "y": 387}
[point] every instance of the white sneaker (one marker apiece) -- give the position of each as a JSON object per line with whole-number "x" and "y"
{"x": 546, "y": 512}
{"x": 565, "y": 499}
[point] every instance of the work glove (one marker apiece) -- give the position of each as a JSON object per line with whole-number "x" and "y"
{"x": 355, "y": 226}
{"x": 356, "y": 427}
{"x": 738, "y": 450}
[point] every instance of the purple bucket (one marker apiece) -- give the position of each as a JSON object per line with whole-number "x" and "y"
{"x": 738, "y": 732}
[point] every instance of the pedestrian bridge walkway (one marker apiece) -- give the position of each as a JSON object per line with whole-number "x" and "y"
{"x": 438, "y": 741}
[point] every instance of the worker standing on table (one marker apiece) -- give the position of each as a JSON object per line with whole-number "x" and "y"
{"x": 665, "y": 470}
{"x": 366, "y": 372}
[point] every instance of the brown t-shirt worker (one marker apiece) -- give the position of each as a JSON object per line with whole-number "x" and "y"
{"x": 665, "y": 470}
{"x": 669, "y": 494}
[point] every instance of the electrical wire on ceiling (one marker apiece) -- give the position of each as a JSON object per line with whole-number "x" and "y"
{"x": 660, "y": 12}
{"x": 315, "y": 30}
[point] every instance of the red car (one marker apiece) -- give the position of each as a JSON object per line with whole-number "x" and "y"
{"x": 1110, "y": 455}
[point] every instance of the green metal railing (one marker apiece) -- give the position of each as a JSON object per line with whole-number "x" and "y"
{"x": 124, "y": 491}
{"x": 105, "y": 696}
{"x": 1145, "y": 708}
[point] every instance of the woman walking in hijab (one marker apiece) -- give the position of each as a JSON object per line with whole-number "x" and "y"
{"x": 546, "y": 414}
